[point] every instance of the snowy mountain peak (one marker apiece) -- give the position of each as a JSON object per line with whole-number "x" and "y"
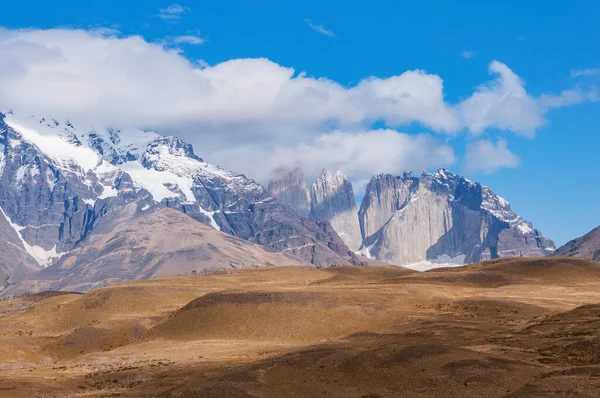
{"x": 329, "y": 180}
{"x": 173, "y": 146}
{"x": 165, "y": 166}
{"x": 59, "y": 180}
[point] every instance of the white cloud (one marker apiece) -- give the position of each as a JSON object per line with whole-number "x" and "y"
{"x": 187, "y": 39}
{"x": 568, "y": 98}
{"x": 486, "y": 156}
{"x": 585, "y": 72}
{"x": 359, "y": 154}
{"x": 202, "y": 63}
{"x": 100, "y": 76}
{"x": 503, "y": 104}
{"x": 104, "y": 31}
{"x": 319, "y": 28}
{"x": 172, "y": 13}
{"x": 467, "y": 54}
{"x": 247, "y": 103}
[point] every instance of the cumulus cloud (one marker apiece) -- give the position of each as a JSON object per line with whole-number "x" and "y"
{"x": 99, "y": 75}
{"x": 128, "y": 80}
{"x": 117, "y": 80}
{"x": 487, "y": 156}
{"x": 359, "y": 154}
{"x": 503, "y": 104}
{"x": 319, "y": 28}
{"x": 173, "y": 13}
{"x": 467, "y": 54}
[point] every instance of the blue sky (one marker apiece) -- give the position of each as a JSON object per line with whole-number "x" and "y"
{"x": 545, "y": 43}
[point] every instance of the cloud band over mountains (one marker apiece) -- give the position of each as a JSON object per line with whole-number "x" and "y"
{"x": 105, "y": 78}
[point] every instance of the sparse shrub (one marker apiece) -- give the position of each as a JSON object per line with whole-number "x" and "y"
{"x": 48, "y": 360}
{"x": 11, "y": 366}
{"x": 106, "y": 363}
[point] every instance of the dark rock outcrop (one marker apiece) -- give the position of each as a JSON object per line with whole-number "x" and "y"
{"x": 586, "y": 246}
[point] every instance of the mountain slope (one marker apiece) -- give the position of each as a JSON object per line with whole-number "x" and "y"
{"x": 587, "y": 246}
{"x": 16, "y": 263}
{"x": 442, "y": 218}
{"x": 140, "y": 241}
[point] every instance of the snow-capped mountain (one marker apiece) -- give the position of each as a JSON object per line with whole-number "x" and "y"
{"x": 442, "y": 218}
{"x": 59, "y": 178}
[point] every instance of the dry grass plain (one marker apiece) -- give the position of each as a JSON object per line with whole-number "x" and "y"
{"x": 516, "y": 328}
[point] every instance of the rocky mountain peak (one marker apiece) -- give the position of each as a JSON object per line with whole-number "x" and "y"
{"x": 332, "y": 179}
{"x": 174, "y": 146}
{"x": 443, "y": 217}
{"x": 332, "y": 199}
{"x": 331, "y": 194}
{"x": 288, "y": 186}
{"x": 162, "y": 152}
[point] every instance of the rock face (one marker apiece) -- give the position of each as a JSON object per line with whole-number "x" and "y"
{"x": 15, "y": 263}
{"x": 127, "y": 245}
{"x": 587, "y": 246}
{"x": 442, "y": 218}
{"x": 59, "y": 179}
{"x": 332, "y": 199}
{"x": 289, "y": 187}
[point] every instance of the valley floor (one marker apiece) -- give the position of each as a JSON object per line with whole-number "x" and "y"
{"x": 517, "y": 328}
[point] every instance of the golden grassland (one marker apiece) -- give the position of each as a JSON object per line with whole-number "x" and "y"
{"x": 512, "y": 327}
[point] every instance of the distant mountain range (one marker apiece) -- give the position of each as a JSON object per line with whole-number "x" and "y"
{"x": 83, "y": 207}
{"x": 425, "y": 221}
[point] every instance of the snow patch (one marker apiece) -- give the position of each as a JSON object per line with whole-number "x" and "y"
{"x": 211, "y": 215}
{"x": 446, "y": 259}
{"x": 503, "y": 202}
{"x": 524, "y": 228}
{"x": 442, "y": 261}
{"x": 422, "y": 266}
{"x": 63, "y": 153}
{"x": 154, "y": 182}
{"x": 21, "y": 174}
{"x": 366, "y": 251}
{"x": 43, "y": 257}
